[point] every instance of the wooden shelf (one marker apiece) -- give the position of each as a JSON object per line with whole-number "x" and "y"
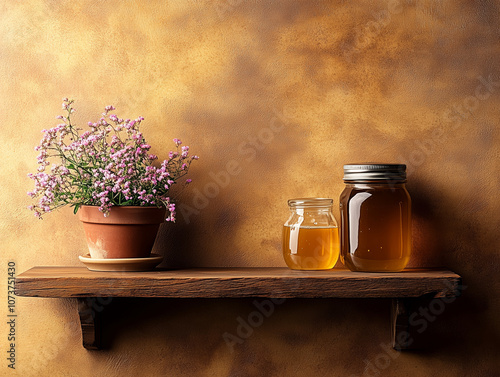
{"x": 409, "y": 289}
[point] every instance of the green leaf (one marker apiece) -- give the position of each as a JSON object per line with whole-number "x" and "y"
{"x": 77, "y": 207}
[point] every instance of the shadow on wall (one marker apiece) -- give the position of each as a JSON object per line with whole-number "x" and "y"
{"x": 194, "y": 330}
{"x": 429, "y": 247}
{"x": 182, "y": 244}
{"x": 446, "y": 235}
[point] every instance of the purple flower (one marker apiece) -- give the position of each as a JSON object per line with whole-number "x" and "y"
{"x": 105, "y": 165}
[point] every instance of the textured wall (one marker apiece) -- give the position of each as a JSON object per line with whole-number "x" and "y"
{"x": 289, "y": 91}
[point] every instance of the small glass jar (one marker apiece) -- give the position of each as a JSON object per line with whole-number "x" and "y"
{"x": 310, "y": 235}
{"x": 375, "y": 210}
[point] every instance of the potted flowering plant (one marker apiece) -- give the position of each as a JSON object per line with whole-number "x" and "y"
{"x": 108, "y": 175}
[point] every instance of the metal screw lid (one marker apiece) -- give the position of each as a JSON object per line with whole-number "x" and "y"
{"x": 375, "y": 172}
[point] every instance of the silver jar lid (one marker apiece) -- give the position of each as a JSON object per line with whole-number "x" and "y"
{"x": 375, "y": 172}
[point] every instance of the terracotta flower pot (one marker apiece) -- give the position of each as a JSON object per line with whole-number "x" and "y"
{"x": 128, "y": 232}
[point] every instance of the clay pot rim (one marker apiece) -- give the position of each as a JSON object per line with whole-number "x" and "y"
{"x": 123, "y": 215}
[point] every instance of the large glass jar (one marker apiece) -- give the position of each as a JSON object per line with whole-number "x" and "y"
{"x": 375, "y": 210}
{"x": 310, "y": 235}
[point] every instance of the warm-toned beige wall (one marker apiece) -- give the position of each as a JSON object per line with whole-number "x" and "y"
{"x": 314, "y": 85}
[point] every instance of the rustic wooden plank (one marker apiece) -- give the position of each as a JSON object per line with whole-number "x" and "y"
{"x": 235, "y": 282}
{"x": 409, "y": 289}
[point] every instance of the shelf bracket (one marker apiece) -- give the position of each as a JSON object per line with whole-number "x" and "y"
{"x": 404, "y": 334}
{"x": 91, "y": 323}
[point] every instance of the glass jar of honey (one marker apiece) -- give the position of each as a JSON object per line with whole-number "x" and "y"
{"x": 375, "y": 210}
{"x": 310, "y": 235}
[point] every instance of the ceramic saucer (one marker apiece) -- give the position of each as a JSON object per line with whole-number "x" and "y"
{"x": 121, "y": 264}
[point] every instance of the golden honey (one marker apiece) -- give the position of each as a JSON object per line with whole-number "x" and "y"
{"x": 310, "y": 248}
{"x": 375, "y": 219}
{"x": 310, "y": 235}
